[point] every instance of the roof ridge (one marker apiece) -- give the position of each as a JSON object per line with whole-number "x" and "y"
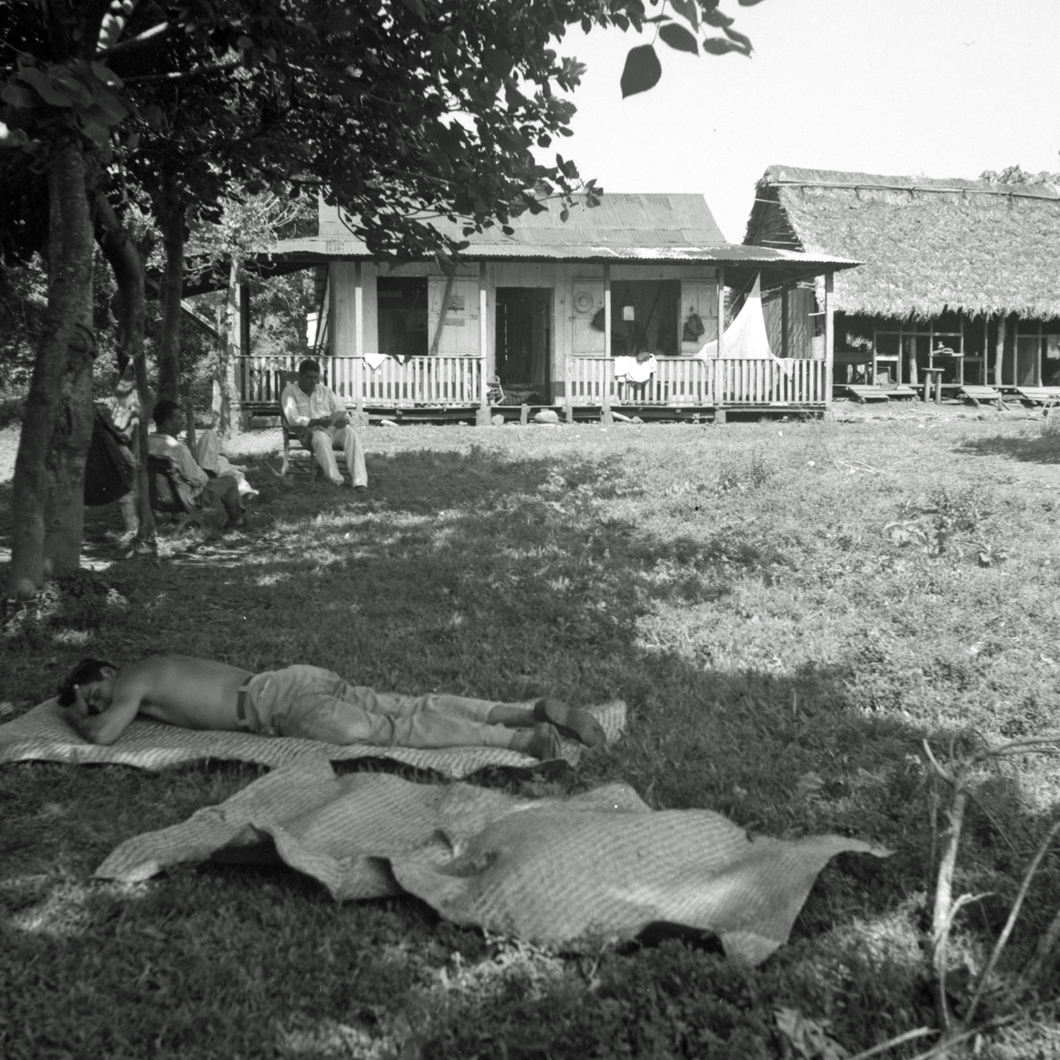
{"x": 793, "y": 176}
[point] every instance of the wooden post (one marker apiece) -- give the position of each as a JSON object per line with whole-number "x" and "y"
{"x": 482, "y": 416}
{"x": 1000, "y": 349}
{"x": 568, "y": 396}
{"x": 829, "y": 335}
{"x": 605, "y": 409}
{"x": 784, "y": 288}
{"x": 1038, "y": 359}
{"x": 960, "y": 350}
{"x": 358, "y": 333}
{"x": 239, "y": 392}
{"x": 719, "y": 366}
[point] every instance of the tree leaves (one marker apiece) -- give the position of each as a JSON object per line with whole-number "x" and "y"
{"x": 688, "y": 10}
{"x": 641, "y": 72}
{"x": 719, "y": 46}
{"x": 679, "y": 38}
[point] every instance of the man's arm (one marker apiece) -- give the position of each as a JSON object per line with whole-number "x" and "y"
{"x": 106, "y": 726}
{"x": 185, "y": 463}
{"x": 336, "y": 416}
{"x": 292, "y": 412}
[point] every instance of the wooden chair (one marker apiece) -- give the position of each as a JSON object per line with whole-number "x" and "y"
{"x": 295, "y": 452}
{"x": 164, "y": 491}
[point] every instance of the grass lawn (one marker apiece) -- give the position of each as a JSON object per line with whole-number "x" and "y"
{"x": 789, "y": 608}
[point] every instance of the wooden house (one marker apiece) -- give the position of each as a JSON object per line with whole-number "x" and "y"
{"x": 960, "y": 282}
{"x": 615, "y": 309}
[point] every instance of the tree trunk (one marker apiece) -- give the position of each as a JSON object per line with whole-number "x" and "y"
{"x": 127, "y": 261}
{"x": 225, "y": 396}
{"x": 48, "y": 488}
{"x": 172, "y": 221}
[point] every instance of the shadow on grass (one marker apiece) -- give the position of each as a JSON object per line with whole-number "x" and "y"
{"x": 480, "y": 573}
{"x": 1041, "y": 449}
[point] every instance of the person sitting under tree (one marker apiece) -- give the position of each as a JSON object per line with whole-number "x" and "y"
{"x": 319, "y": 420}
{"x": 194, "y": 484}
{"x": 308, "y": 702}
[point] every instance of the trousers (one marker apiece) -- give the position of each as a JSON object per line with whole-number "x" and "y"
{"x": 209, "y": 457}
{"x": 316, "y": 704}
{"x": 327, "y": 440}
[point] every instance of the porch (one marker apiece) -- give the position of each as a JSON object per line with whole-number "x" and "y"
{"x": 443, "y": 386}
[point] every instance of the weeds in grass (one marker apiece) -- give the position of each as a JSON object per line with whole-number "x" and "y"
{"x": 743, "y": 472}
{"x": 783, "y": 660}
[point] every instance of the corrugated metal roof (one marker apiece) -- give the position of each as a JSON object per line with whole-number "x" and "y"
{"x": 623, "y": 228}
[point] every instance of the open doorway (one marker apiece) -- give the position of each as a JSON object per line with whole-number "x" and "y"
{"x": 524, "y": 344}
{"x": 402, "y": 318}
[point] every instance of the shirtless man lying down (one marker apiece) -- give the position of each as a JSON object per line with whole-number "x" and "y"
{"x": 309, "y": 702}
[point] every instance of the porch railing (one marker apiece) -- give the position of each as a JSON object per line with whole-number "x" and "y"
{"x": 448, "y": 380}
{"x": 683, "y": 381}
{"x": 440, "y": 380}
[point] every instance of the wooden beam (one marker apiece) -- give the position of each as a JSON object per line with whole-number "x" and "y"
{"x": 784, "y": 289}
{"x": 358, "y": 333}
{"x": 483, "y": 417}
{"x": 999, "y": 349}
{"x": 829, "y": 335}
{"x": 718, "y": 375}
{"x": 609, "y": 368}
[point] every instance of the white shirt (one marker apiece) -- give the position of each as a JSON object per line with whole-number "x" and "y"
{"x": 299, "y": 407}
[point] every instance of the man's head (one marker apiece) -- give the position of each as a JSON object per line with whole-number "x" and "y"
{"x": 308, "y": 376}
{"x": 95, "y": 679}
{"x": 169, "y": 417}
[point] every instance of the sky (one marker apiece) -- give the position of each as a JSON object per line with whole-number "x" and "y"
{"x": 937, "y": 88}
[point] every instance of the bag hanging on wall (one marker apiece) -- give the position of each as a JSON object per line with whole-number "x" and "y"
{"x": 693, "y": 328}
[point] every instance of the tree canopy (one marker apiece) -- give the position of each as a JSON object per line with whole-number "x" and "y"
{"x": 400, "y": 112}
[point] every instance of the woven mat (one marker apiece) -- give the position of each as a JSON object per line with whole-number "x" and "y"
{"x": 602, "y": 865}
{"x": 44, "y": 734}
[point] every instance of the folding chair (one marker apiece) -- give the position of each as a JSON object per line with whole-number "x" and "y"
{"x": 164, "y": 491}
{"x": 295, "y": 451}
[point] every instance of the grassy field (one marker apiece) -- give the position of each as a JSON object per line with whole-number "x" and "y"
{"x": 791, "y": 609}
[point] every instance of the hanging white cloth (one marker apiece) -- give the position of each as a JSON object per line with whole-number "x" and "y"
{"x": 745, "y": 337}
{"x": 374, "y": 360}
{"x": 633, "y": 370}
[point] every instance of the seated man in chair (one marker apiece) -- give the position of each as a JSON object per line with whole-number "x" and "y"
{"x": 201, "y": 489}
{"x": 320, "y": 422}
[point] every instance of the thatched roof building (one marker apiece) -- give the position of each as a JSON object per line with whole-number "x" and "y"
{"x": 929, "y": 246}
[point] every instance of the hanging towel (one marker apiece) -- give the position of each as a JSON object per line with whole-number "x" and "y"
{"x": 634, "y": 371}
{"x": 374, "y": 360}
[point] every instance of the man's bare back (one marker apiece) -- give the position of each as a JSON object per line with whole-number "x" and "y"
{"x": 308, "y": 702}
{"x": 178, "y": 689}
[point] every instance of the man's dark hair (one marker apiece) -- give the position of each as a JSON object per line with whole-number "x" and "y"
{"x": 308, "y": 366}
{"x": 163, "y": 410}
{"x": 84, "y": 673}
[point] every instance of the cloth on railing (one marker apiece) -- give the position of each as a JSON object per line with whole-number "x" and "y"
{"x": 44, "y": 734}
{"x": 633, "y": 370}
{"x": 596, "y": 866}
{"x": 374, "y": 360}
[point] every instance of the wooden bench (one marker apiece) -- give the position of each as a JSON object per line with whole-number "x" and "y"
{"x": 1039, "y": 395}
{"x": 863, "y": 392}
{"x": 982, "y": 395}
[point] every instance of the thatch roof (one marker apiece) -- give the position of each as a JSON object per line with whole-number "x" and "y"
{"x": 928, "y": 245}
